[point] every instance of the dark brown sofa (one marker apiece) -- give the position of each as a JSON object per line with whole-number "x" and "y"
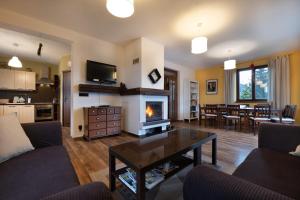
{"x": 269, "y": 172}
{"x": 46, "y": 172}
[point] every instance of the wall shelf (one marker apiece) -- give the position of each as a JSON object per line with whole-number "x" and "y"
{"x": 122, "y": 91}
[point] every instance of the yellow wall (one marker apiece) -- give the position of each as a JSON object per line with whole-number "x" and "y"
{"x": 217, "y": 72}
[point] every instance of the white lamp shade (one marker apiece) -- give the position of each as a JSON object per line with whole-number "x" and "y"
{"x": 15, "y": 62}
{"x": 120, "y": 8}
{"x": 199, "y": 45}
{"x": 229, "y": 64}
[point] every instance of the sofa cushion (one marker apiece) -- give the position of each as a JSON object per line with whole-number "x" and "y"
{"x": 273, "y": 170}
{"x": 13, "y": 140}
{"x": 37, "y": 174}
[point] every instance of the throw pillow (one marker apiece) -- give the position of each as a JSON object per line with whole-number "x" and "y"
{"x": 297, "y": 152}
{"x": 13, "y": 139}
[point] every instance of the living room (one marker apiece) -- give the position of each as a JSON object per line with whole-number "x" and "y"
{"x": 230, "y": 109}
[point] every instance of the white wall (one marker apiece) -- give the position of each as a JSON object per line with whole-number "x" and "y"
{"x": 184, "y": 73}
{"x": 152, "y": 57}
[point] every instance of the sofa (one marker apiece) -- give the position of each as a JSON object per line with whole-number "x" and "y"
{"x": 269, "y": 172}
{"x": 46, "y": 172}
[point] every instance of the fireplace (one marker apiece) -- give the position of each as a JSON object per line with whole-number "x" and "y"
{"x": 154, "y": 111}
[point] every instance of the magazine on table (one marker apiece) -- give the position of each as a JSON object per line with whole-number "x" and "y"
{"x": 152, "y": 178}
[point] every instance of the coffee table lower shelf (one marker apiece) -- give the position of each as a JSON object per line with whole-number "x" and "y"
{"x": 182, "y": 162}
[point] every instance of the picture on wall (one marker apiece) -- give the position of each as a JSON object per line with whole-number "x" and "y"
{"x": 212, "y": 86}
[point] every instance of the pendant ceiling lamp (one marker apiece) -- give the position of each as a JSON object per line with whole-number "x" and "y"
{"x": 15, "y": 61}
{"x": 120, "y": 8}
{"x": 230, "y": 63}
{"x": 199, "y": 44}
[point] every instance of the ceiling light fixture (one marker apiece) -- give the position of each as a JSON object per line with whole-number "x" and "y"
{"x": 230, "y": 63}
{"x": 120, "y": 8}
{"x": 14, "y": 61}
{"x": 199, "y": 44}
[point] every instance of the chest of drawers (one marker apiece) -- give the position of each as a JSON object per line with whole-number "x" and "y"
{"x": 102, "y": 121}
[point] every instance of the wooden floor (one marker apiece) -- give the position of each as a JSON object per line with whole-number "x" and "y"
{"x": 90, "y": 159}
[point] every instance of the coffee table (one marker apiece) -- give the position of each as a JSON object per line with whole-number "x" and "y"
{"x": 148, "y": 153}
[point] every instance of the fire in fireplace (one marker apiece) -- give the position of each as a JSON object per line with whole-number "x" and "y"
{"x": 154, "y": 111}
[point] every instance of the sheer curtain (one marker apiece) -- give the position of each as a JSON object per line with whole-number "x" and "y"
{"x": 230, "y": 86}
{"x": 279, "y": 84}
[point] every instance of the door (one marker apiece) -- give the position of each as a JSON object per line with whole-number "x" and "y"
{"x": 12, "y": 109}
{"x": 27, "y": 114}
{"x": 6, "y": 79}
{"x": 66, "y": 98}
{"x": 20, "y": 80}
{"x": 171, "y": 84}
{"x": 30, "y": 81}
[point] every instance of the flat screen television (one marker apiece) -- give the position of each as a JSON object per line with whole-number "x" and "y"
{"x": 101, "y": 72}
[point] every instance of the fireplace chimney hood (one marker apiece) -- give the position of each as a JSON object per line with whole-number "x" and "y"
{"x": 44, "y": 76}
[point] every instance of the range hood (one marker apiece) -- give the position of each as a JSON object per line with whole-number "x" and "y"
{"x": 44, "y": 76}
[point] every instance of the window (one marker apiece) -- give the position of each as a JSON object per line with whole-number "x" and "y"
{"x": 252, "y": 84}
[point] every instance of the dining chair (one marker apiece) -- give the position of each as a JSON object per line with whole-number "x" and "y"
{"x": 288, "y": 115}
{"x": 211, "y": 113}
{"x": 222, "y": 111}
{"x": 201, "y": 113}
{"x": 233, "y": 115}
{"x": 262, "y": 113}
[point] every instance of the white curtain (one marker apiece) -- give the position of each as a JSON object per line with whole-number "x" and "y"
{"x": 279, "y": 84}
{"x": 230, "y": 86}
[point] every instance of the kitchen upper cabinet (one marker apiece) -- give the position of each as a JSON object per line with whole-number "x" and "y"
{"x": 27, "y": 114}
{"x": 30, "y": 81}
{"x": 20, "y": 80}
{"x": 1, "y": 110}
{"x": 17, "y": 80}
{"x": 7, "y": 79}
{"x": 12, "y": 109}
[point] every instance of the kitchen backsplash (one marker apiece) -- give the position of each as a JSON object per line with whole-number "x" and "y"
{"x": 40, "y": 95}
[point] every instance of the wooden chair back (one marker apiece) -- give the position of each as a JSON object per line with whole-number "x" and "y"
{"x": 289, "y": 111}
{"x": 233, "y": 110}
{"x": 262, "y": 110}
{"x": 211, "y": 109}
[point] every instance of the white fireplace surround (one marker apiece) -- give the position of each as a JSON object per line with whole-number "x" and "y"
{"x": 135, "y": 113}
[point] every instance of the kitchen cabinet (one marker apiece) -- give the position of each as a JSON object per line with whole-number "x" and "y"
{"x": 30, "y": 81}
{"x": 26, "y": 114}
{"x": 7, "y": 79}
{"x": 20, "y": 80}
{"x": 1, "y": 110}
{"x": 17, "y": 80}
{"x": 9, "y": 109}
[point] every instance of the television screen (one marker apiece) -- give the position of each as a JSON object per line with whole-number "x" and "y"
{"x": 101, "y": 72}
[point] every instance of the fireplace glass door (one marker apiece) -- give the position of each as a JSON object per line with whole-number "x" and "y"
{"x": 154, "y": 111}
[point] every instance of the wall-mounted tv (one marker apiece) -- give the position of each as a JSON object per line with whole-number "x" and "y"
{"x": 101, "y": 72}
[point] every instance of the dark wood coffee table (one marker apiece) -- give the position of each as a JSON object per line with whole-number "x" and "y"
{"x": 148, "y": 153}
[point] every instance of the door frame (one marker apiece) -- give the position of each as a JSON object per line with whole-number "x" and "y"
{"x": 177, "y": 90}
{"x": 63, "y": 92}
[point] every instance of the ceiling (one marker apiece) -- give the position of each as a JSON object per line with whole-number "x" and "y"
{"x": 27, "y": 46}
{"x": 249, "y": 29}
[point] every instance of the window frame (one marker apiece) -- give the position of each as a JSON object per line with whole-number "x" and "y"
{"x": 253, "y": 84}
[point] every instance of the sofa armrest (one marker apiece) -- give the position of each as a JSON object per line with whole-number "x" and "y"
{"x": 279, "y": 137}
{"x": 44, "y": 134}
{"x": 206, "y": 183}
{"x": 92, "y": 191}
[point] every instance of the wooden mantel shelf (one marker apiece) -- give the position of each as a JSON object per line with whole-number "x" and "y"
{"x": 122, "y": 91}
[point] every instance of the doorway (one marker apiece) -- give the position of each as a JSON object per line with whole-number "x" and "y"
{"x": 171, "y": 84}
{"x": 66, "y": 98}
